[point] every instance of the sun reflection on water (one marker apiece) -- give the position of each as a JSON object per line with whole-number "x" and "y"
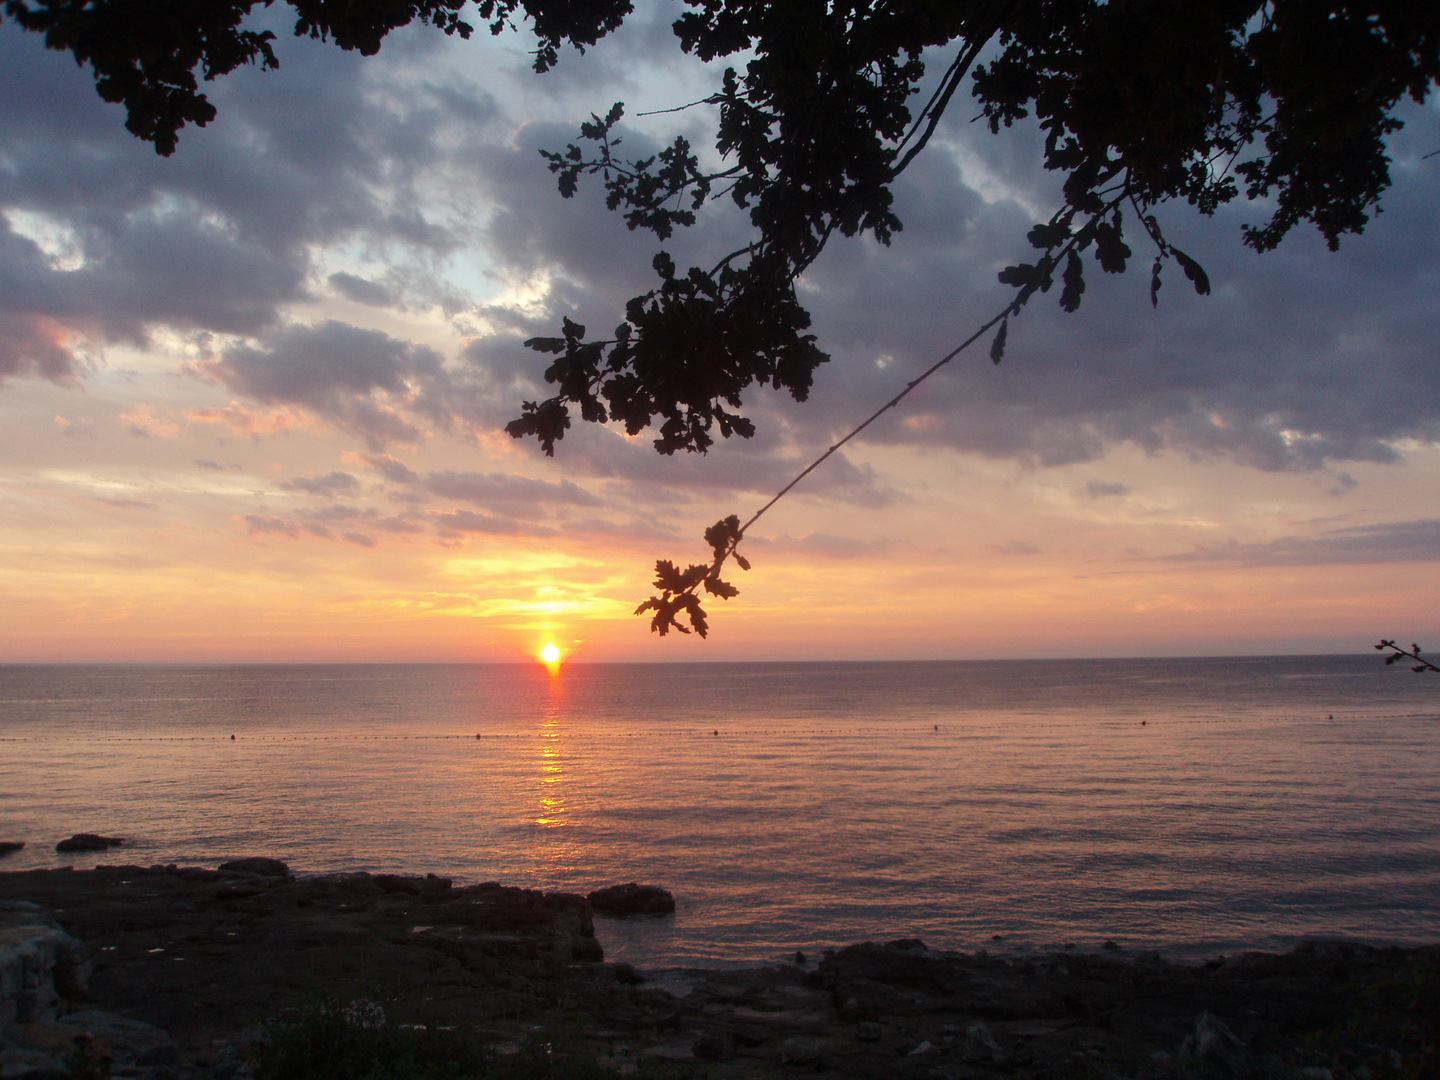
{"x": 551, "y": 813}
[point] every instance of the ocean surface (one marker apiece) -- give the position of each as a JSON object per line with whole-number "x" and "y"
{"x": 1195, "y": 806}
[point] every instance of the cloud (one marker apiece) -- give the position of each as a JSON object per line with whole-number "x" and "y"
{"x": 253, "y": 422}
{"x": 393, "y": 469}
{"x": 467, "y": 521}
{"x": 359, "y": 289}
{"x": 1099, "y": 489}
{"x": 329, "y": 485}
{"x": 518, "y": 495}
{"x": 34, "y": 344}
{"x": 1394, "y": 542}
{"x": 360, "y": 380}
{"x": 1016, "y": 547}
{"x": 143, "y": 422}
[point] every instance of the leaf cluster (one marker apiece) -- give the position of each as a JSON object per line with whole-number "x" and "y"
{"x": 680, "y": 589}
{"x": 1421, "y": 665}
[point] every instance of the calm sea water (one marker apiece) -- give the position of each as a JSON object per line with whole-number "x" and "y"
{"x": 1196, "y": 806}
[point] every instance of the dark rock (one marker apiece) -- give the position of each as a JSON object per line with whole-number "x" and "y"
{"x": 798, "y": 1050}
{"x": 586, "y": 949}
{"x": 709, "y": 1047}
{"x": 632, "y": 899}
{"x": 980, "y": 1044}
{"x": 1110, "y": 946}
{"x": 257, "y": 865}
{"x": 89, "y": 842}
{"x": 8, "y": 847}
{"x": 1215, "y": 1047}
{"x": 868, "y": 1031}
{"x": 627, "y": 974}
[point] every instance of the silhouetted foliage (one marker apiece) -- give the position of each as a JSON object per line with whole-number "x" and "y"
{"x": 1413, "y": 653}
{"x": 1142, "y": 103}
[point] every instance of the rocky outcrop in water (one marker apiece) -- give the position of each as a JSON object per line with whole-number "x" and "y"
{"x": 632, "y": 899}
{"x": 88, "y": 841}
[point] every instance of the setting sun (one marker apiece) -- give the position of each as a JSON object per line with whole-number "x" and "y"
{"x": 550, "y": 653}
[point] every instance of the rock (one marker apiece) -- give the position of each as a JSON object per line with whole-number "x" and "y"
{"x": 926, "y": 1047}
{"x": 586, "y": 949}
{"x": 627, "y": 974}
{"x": 868, "y": 1031}
{"x": 9, "y": 847}
{"x": 31, "y": 1065}
{"x": 632, "y": 899}
{"x": 257, "y": 865}
{"x": 40, "y": 964}
{"x": 799, "y": 1051}
{"x": 126, "y": 1041}
{"x": 1214, "y": 1046}
{"x": 980, "y": 1044}
{"x": 414, "y": 884}
{"x": 709, "y": 1047}
{"x": 87, "y": 841}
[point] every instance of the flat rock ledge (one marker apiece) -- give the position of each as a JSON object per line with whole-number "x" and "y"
{"x": 178, "y": 966}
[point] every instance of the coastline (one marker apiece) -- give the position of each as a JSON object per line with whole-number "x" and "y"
{"x": 204, "y": 956}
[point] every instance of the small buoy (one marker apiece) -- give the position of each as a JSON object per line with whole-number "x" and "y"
{"x": 477, "y": 734}
{"x": 232, "y": 738}
{"x": 937, "y": 727}
{"x": 1144, "y": 722}
{"x": 715, "y": 732}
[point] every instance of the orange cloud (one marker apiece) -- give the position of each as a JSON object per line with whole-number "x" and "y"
{"x": 256, "y": 422}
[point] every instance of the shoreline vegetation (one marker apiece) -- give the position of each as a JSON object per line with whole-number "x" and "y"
{"x": 186, "y": 973}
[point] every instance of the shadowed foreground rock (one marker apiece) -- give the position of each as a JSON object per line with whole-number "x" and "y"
{"x": 196, "y": 957}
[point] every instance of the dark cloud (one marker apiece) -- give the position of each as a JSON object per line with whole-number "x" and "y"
{"x": 361, "y": 290}
{"x": 206, "y": 463}
{"x": 393, "y": 469}
{"x": 517, "y": 494}
{"x": 32, "y": 344}
{"x": 467, "y": 521}
{"x": 221, "y": 236}
{"x": 1016, "y": 547}
{"x": 329, "y": 485}
{"x": 1395, "y": 542}
{"x": 1099, "y": 489}
{"x": 361, "y": 380}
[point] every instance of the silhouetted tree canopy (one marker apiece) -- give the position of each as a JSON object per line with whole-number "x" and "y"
{"x": 1142, "y": 102}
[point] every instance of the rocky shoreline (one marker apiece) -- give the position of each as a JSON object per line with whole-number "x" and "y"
{"x": 169, "y": 971}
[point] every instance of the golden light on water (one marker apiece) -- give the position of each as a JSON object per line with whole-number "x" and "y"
{"x": 550, "y": 653}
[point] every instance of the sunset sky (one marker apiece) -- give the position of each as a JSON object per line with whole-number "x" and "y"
{"x": 252, "y": 394}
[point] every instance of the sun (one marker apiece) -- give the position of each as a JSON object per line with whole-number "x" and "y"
{"x": 550, "y": 653}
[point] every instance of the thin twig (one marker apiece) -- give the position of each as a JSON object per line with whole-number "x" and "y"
{"x": 911, "y": 385}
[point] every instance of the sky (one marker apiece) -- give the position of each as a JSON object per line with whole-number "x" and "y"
{"x": 252, "y": 395}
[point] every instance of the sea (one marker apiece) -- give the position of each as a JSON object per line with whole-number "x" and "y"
{"x": 1190, "y": 806}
